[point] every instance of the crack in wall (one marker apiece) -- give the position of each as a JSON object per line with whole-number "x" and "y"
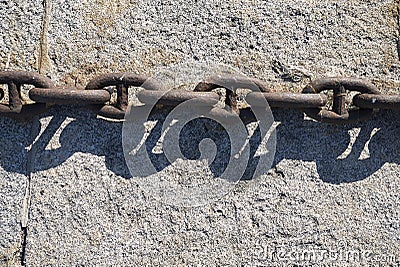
{"x": 44, "y": 63}
{"x": 23, "y": 247}
{"x": 30, "y": 163}
{"x": 397, "y": 19}
{"x": 43, "y": 67}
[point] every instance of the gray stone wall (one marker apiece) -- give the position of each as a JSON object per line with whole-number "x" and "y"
{"x": 66, "y": 195}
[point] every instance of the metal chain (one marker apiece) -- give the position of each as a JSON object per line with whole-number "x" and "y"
{"x": 14, "y": 80}
{"x": 97, "y": 95}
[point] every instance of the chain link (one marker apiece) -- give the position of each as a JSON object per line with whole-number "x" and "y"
{"x": 97, "y": 96}
{"x": 377, "y": 101}
{"x": 15, "y": 107}
{"x": 231, "y": 83}
{"x": 122, "y": 81}
{"x": 175, "y": 97}
{"x": 69, "y": 96}
{"x": 339, "y": 114}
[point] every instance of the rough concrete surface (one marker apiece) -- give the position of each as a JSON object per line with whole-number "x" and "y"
{"x": 331, "y": 197}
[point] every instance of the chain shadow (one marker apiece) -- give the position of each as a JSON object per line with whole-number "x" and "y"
{"x": 190, "y": 137}
{"x": 337, "y": 159}
{"x": 16, "y": 138}
{"x": 81, "y": 132}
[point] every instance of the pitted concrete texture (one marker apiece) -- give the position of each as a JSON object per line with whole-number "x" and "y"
{"x": 315, "y": 199}
{"x": 316, "y": 38}
{"x": 331, "y": 196}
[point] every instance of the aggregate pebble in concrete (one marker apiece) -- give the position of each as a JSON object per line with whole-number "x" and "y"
{"x": 331, "y": 189}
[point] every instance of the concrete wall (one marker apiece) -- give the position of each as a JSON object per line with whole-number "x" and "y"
{"x": 331, "y": 188}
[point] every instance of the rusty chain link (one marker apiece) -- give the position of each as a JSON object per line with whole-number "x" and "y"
{"x": 339, "y": 114}
{"x": 97, "y": 96}
{"x": 69, "y": 96}
{"x": 230, "y": 84}
{"x": 15, "y": 80}
{"x": 377, "y": 101}
{"x": 122, "y": 81}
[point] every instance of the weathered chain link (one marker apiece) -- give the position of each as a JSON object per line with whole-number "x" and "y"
{"x": 15, "y": 80}
{"x": 97, "y": 96}
{"x": 122, "y": 81}
{"x": 339, "y": 114}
